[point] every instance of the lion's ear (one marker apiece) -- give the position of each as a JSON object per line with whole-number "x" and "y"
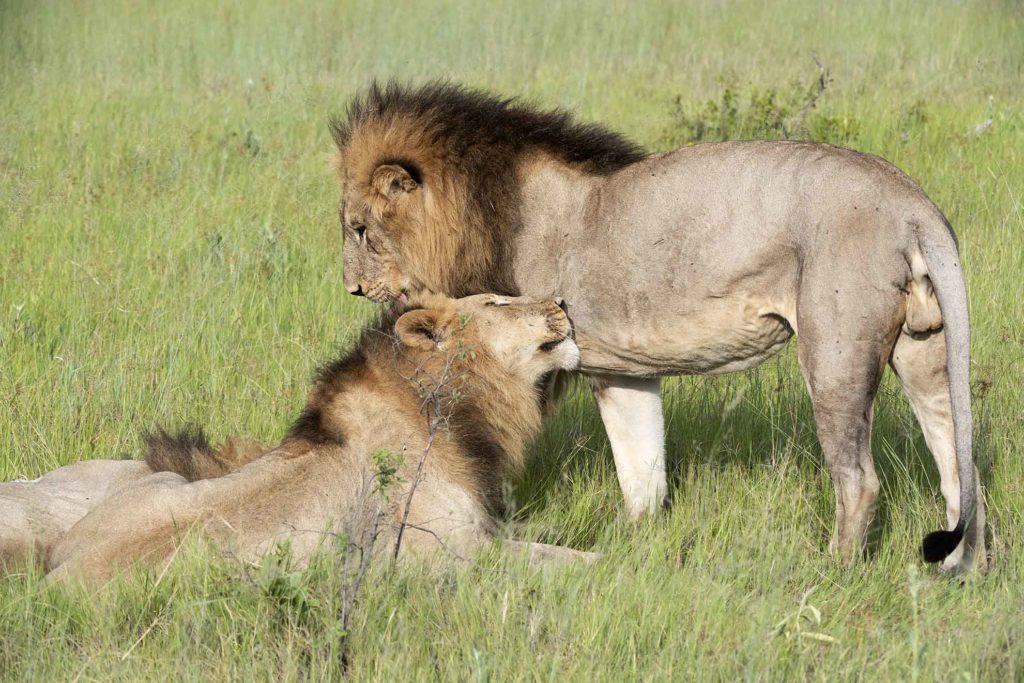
{"x": 423, "y": 328}
{"x": 392, "y": 180}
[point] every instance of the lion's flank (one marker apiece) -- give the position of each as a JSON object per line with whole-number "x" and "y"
{"x": 468, "y": 119}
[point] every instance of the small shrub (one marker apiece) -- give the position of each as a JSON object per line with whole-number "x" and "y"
{"x": 755, "y": 113}
{"x": 286, "y": 587}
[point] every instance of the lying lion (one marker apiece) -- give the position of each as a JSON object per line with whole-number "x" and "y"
{"x": 401, "y": 446}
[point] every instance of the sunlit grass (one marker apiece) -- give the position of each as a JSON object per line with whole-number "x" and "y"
{"x": 169, "y": 254}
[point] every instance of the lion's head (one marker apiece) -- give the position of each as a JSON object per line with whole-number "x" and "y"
{"x": 517, "y": 340}
{"x": 430, "y": 192}
{"x": 491, "y": 361}
{"x": 381, "y": 212}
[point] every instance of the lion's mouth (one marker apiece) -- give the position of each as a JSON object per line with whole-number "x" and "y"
{"x": 562, "y": 329}
{"x": 384, "y": 295}
{"x": 399, "y": 304}
{"x": 384, "y": 298}
{"x": 563, "y": 352}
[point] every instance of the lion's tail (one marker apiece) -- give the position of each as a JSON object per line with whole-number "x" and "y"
{"x": 938, "y": 244}
{"x": 188, "y": 453}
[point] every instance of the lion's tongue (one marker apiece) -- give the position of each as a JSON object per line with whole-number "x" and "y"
{"x": 399, "y": 304}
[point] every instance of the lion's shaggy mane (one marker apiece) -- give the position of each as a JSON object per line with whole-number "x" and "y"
{"x": 447, "y": 135}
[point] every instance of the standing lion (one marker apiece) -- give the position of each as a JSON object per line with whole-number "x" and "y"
{"x": 704, "y": 260}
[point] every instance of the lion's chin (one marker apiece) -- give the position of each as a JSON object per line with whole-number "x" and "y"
{"x": 569, "y": 355}
{"x": 385, "y": 295}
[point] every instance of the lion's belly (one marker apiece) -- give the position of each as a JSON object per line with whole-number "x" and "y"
{"x": 722, "y": 335}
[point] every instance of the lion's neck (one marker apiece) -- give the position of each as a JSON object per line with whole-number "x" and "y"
{"x": 514, "y": 418}
{"x": 553, "y": 201}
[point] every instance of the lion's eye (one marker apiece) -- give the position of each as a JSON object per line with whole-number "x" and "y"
{"x": 361, "y": 233}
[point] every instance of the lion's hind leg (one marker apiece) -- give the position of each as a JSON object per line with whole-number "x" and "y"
{"x": 35, "y": 515}
{"x": 842, "y": 352}
{"x": 842, "y": 398}
{"x": 919, "y": 361}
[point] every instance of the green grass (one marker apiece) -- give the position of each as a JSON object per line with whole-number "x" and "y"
{"x": 169, "y": 253}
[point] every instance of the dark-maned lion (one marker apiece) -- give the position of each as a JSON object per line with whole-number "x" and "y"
{"x": 703, "y": 260}
{"x": 407, "y": 437}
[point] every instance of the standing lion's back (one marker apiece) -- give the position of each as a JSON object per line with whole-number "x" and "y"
{"x": 763, "y": 190}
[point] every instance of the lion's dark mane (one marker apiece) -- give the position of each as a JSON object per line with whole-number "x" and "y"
{"x": 465, "y": 119}
{"x": 480, "y": 137}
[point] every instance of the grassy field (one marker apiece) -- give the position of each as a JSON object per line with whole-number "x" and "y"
{"x": 169, "y": 253}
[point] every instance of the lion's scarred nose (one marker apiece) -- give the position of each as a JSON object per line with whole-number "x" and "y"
{"x": 356, "y": 291}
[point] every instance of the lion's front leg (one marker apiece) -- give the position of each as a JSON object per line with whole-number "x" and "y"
{"x": 631, "y": 411}
{"x": 545, "y": 553}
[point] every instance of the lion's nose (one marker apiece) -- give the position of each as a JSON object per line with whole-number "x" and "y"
{"x": 356, "y": 291}
{"x": 560, "y": 302}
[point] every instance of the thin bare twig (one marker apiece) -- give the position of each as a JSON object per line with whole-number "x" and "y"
{"x": 432, "y": 407}
{"x": 824, "y": 79}
{"x": 351, "y": 583}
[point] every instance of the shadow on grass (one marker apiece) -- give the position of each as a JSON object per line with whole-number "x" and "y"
{"x": 745, "y": 422}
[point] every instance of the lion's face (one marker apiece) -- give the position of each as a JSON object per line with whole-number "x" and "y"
{"x": 380, "y": 218}
{"x": 527, "y": 336}
{"x": 409, "y": 227}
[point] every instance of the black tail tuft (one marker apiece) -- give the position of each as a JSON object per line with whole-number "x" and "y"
{"x": 939, "y": 544}
{"x": 182, "y": 453}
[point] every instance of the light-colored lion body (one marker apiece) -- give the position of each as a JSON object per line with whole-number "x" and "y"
{"x": 698, "y": 261}
{"x": 703, "y": 260}
{"x": 410, "y": 434}
{"x": 36, "y": 514}
{"x": 306, "y": 500}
